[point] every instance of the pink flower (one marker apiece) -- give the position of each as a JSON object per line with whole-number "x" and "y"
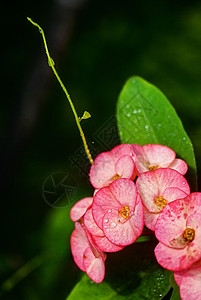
{"x": 157, "y": 188}
{"x": 86, "y": 255}
{"x": 80, "y": 208}
{"x": 98, "y": 235}
{"x": 178, "y": 230}
{"x": 118, "y": 212}
{"x": 111, "y": 165}
{"x": 189, "y": 281}
{"x": 151, "y": 157}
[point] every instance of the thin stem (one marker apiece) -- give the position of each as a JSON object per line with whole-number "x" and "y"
{"x": 23, "y": 272}
{"x": 51, "y": 64}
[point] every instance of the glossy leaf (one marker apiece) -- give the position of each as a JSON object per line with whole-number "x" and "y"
{"x": 175, "y": 294}
{"x": 145, "y": 116}
{"x": 130, "y": 274}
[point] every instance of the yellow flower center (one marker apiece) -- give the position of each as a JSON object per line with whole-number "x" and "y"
{"x": 160, "y": 201}
{"x": 189, "y": 234}
{"x": 125, "y": 212}
{"x": 153, "y": 168}
{"x": 116, "y": 176}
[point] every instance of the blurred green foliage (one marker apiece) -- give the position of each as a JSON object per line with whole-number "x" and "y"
{"x": 112, "y": 40}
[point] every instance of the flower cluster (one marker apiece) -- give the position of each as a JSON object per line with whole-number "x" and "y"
{"x": 135, "y": 186}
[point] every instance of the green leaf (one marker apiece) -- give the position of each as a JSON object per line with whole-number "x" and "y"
{"x": 145, "y": 116}
{"x": 132, "y": 273}
{"x": 175, "y": 293}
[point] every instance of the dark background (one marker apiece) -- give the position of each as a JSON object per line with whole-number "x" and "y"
{"x": 96, "y": 45}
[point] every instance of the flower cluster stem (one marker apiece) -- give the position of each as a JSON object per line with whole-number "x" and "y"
{"x": 51, "y": 64}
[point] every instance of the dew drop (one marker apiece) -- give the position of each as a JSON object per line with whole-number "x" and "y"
{"x": 105, "y": 220}
{"x": 139, "y": 110}
{"x": 113, "y": 225}
{"x": 109, "y": 210}
{"x": 134, "y": 111}
{"x": 128, "y": 115}
{"x": 146, "y": 127}
{"x": 127, "y": 106}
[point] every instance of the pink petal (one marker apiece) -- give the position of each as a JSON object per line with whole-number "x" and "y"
{"x": 125, "y": 167}
{"x": 170, "y": 194}
{"x": 171, "y": 258}
{"x": 150, "y": 219}
{"x": 121, "y": 231}
{"x": 103, "y": 170}
{"x": 79, "y": 209}
{"x": 79, "y": 243}
{"x": 194, "y": 200}
{"x": 194, "y": 249}
{"x": 95, "y": 191}
{"x": 153, "y": 184}
{"x": 178, "y": 276}
{"x": 124, "y": 190}
{"x": 172, "y": 221}
{"x": 91, "y": 225}
{"x": 190, "y": 285}
{"x": 103, "y": 201}
{"x": 137, "y": 220}
{"x": 98, "y": 236}
{"x": 94, "y": 266}
{"x": 121, "y": 192}
{"x": 105, "y": 245}
{"x": 121, "y": 150}
{"x": 180, "y": 166}
{"x": 152, "y": 156}
{"x": 173, "y": 193}
{"x": 117, "y": 229}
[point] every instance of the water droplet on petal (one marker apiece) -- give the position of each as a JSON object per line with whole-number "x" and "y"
{"x": 105, "y": 220}
{"x": 113, "y": 225}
